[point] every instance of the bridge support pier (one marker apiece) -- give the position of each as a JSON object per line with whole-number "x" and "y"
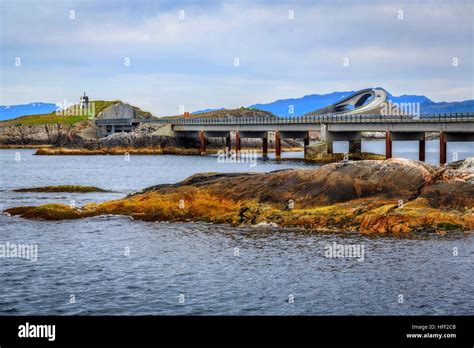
{"x": 388, "y": 144}
{"x": 306, "y": 143}
{"x": 422, "y": 148}
{"x": 442, "y": 148}
{"x": 202, "y": 141}
{"x": 277, "y": 146}
{"x": 326, "y": 137}
{"x": 265, "y": 147}
{"x": 228, "y": 143}
{"x": 237, "y": 143}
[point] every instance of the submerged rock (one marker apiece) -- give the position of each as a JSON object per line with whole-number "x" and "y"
{"x": 392, "y": 196}
{"x": 62, "y": 188}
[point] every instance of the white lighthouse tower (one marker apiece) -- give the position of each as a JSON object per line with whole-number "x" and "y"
{"x": 84, "y": 101}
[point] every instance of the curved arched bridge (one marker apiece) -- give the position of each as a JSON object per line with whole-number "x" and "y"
{"x": 342, "y": 121}
{"x": 366, "y": 101}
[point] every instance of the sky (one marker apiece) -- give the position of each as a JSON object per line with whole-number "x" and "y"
{"x": 170, "y": 56}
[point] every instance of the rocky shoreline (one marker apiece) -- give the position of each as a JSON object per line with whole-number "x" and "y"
{"x": 394, "y": 196}
{"x": 82, "y": 135}
{"x": 51, "y": 151}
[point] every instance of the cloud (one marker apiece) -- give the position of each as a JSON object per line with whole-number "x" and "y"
{"x": 190, "y": 60}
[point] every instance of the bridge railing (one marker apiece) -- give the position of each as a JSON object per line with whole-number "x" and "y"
{"x": 306, "y": 119}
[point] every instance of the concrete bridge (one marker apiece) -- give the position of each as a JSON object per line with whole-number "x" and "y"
{"x": 454, "y": 127}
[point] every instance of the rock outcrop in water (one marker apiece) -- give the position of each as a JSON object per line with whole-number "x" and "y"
{"x": 62, "y": 188}
{"x": 392, "y": 196}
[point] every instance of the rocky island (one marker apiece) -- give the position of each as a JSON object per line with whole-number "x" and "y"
{"x": 394, "y": 196}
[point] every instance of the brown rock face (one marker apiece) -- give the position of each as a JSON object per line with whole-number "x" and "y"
{"x": 450, "y": 195}
{"x": 333, "y": 183}
{"x": 123, "y": 110}
{"x": 454, "y": 189}
{"x": 46, "y": 134}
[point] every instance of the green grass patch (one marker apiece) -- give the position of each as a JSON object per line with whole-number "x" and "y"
{"x": 448, "y": 226}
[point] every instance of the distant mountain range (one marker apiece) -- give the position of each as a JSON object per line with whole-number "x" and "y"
{"x": 435, "y": 108}
{"x": 11, "y": 111}
{"x": 280, "y": 107}
{"x": 313, "y": 102}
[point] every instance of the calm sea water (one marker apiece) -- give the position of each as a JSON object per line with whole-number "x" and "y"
{"x": 113, "y": 265}
{"x": 409, "y": 149}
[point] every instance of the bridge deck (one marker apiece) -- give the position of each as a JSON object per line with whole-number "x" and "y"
{"x": 321, "y": 119}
